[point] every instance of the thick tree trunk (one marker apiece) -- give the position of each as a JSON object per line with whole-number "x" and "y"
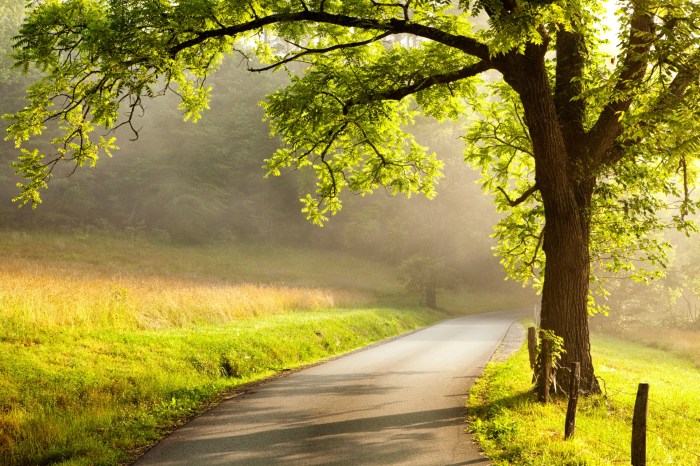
{"x": 566, "y": 197}
{"x": 565, "y": 297}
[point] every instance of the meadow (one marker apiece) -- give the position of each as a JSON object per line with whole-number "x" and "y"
{"x": 108, "y": 342}
{"x": 514, "y": 429}
{"x": 684, "y": 342}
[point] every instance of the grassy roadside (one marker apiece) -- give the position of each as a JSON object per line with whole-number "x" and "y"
{"x": 513, "y": 429}
{"x": 89, "y": 397}
{"x": 107, "y": 342}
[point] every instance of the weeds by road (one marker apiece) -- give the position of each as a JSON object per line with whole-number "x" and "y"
{"x": 88, "y": 397}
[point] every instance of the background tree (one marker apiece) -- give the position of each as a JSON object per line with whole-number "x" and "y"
{"x": 582, "y": 147}
{"x": 425, "y": 276}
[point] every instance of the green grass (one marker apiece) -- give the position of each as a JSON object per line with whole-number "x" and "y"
{"x": 89, "y": 397}
{"x": 679, "y": 341}
{"x": 275, "y": 264}
{"x": 513, "y": 429}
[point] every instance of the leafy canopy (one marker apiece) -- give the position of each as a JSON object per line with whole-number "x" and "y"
{"x": 361, "y": 70}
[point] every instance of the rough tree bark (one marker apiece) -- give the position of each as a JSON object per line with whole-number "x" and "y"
{"x": 566, "y": 195}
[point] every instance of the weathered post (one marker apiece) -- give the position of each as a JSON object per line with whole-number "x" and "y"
{"x": 545, "y": 369}
{"x": 532, "y": 345}
{"x": 639, "y": 426}
{"x": 570, "y": 424}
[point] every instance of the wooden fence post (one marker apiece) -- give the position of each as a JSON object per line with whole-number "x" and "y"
{"x": 570, "y": 424}
{"x": 639, "y": 426}
{"x": 546, "y": 369}
{"x": 532, "y": 345}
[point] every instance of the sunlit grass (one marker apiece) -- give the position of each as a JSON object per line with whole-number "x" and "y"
{"x": 516, "y": 430}
{"x": 106, "y": 343}
{"x": 71, "y": 281}
{"x": 35, "y": 294}
{"x": 85, "y": 397}
{"x": 682, "y": 342}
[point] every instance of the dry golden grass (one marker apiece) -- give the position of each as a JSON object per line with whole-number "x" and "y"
{"x": 682, "y": 342}
{"x": 80, "y": 295}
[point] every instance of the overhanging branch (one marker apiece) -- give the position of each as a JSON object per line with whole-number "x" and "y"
{"x": 420, "y": 84}
{"x": 468, "y": 45}
{"x": 608, "y": 126}
{"x": 667, "y": 101}
{"x": 308, "y": 51}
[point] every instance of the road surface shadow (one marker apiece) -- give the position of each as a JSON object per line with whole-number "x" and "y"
{"x": 326, "y": 443}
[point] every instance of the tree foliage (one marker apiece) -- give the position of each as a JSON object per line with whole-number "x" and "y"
{"x": 345, "y": 113}
{"x": 202, "y": 183}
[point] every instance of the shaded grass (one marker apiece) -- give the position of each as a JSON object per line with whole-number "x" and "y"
{"x": 107, "y": 255}
{"x": 89, "y": 397}
{"x": 513, "y": 429}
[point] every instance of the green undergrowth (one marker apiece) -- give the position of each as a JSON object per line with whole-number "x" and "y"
{"x": 95, "y": 396}
{"x": 513, "y": 429}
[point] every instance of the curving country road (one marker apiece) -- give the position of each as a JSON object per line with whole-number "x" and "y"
{"x": 399, "y": 402}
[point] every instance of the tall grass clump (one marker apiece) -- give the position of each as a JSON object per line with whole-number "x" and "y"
{"x": 514, "y": 429}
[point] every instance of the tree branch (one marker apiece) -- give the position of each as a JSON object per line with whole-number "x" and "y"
{"x": 511, "y": 143}
{"x": 571, "y": 56}
{"x": 404, "y": 7}
{"x": 307, "y": 51}
{"x": 530, "y": 264}
{"x": 522, "y": 198}
{"x": 467, "y": 45}
{"x": 324, "y": 153}
{"x": 420, "y": 84}
{"x": 608, "y": 127}
{"x": 666, "y": 102}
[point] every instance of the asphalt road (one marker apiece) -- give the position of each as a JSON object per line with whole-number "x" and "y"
{"x": 399, "y": 402}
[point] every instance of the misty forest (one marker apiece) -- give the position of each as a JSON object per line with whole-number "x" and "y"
{"x": 171, "y": 227}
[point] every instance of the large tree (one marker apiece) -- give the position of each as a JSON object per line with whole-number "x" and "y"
{"x": 583, "y": 147}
